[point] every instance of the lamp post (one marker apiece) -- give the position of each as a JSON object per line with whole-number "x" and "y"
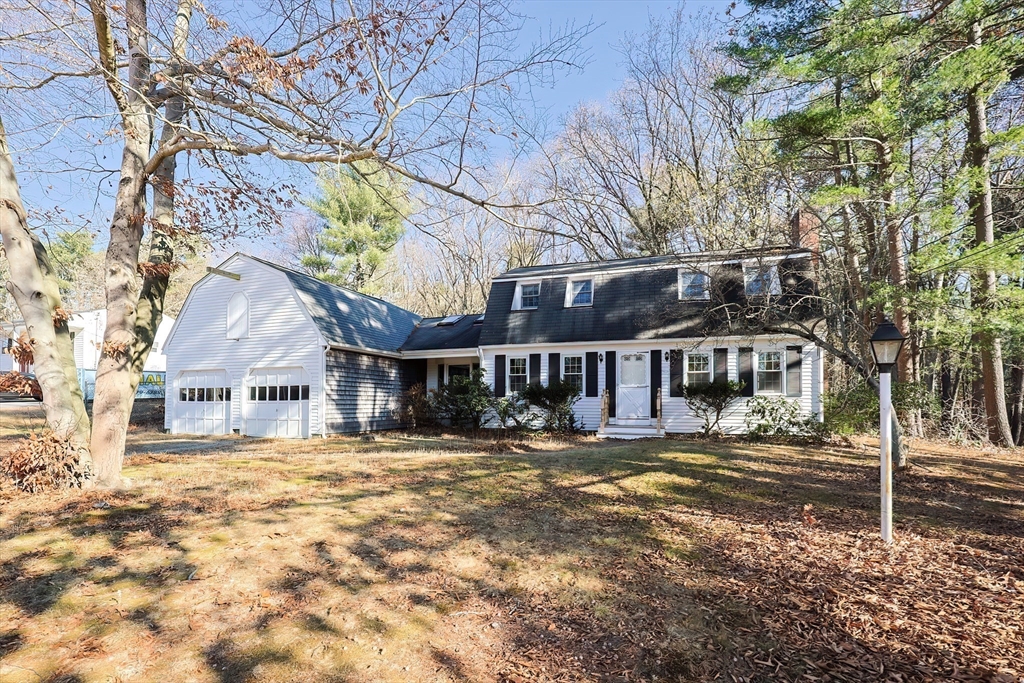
{"x": 886, "y": 344}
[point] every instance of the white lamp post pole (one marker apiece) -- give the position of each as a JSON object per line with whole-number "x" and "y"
{"x": 886, "y": 343}
{"x": 885, "y": 432}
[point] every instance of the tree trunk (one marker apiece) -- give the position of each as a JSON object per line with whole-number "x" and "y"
{"x": 985, "y": 285}
{"x": 1017, "y": 418}
{"x": 34, "y": 286}
{"x": 161, "y": 248}
{"x": 114, "y": 395}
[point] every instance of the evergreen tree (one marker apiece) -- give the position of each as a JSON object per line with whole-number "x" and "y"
{"x": 362, "y": 207}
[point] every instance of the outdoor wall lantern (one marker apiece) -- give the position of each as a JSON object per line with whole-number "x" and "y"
{"x": 600, "y": 357}
{"x": 886, "y": 344}
{"x": 666, "y": 356}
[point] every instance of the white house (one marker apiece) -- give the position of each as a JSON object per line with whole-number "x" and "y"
{"x": 87, "y": 337}
{"x": 263, "y": 350}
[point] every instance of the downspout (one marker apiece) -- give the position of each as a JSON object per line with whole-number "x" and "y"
{"x": 323, "y": 392}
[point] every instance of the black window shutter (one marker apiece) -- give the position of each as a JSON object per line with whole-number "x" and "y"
{"x": 794, "y": 359}
{"x": 499, "y": 376}
{"x": 554, "y": 372}
{"x": 675, "y": 374}
{"x": 534, "y": 368}
{"x": 609, "y": 380}
{"x": 655, "y": 380}
{"x": 747, "y": 371}
{"x": 721, "y": 365}
{"x": 440, "y": 375}
{"x": 591, "y": 373}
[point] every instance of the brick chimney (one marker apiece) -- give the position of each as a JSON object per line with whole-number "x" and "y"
{"x": 804, "y": 233}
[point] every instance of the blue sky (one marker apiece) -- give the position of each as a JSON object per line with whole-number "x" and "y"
{"x": 612, "y": 20}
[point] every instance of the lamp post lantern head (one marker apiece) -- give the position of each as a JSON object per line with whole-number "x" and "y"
{"x": 886, "y": 344}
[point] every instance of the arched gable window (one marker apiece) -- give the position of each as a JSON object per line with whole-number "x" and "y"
{"x": 238, "y": 316}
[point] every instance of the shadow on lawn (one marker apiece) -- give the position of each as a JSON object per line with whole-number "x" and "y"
{"x": 644, "y": 614}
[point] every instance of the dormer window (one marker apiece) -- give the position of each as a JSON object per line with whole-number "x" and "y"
{"x": 580, "y": 293}
{"x": 761, "y": 279}
{"x": 694, "y": 285}
{"x": 527, "y": 296}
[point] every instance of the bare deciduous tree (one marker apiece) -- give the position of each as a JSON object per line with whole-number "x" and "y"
{"x": 417, "y": 87}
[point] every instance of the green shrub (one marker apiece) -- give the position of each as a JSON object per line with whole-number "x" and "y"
{"x": 854, "y": 409}
{"x": 464, "y": 401}
{"x": 510, "y": 411}
{"x": 777, "y": 416}
{"x": 709, "y": 401}
{"x": 418, "y": 406}
{"x": 556, "y": 401}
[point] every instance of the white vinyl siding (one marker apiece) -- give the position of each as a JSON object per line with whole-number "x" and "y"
{"x": 676, "y": 415}
{"x": 280, "y": 335}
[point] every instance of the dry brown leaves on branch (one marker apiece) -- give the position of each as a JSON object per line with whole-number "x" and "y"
{"x": 43, "y": 462}
{"x": 17, "y": 383}
{"x": 60, "y": 316}
{"x": 116, "y": 349}
{"x": 22, "y": 349}
{"x": 148, "y": 269}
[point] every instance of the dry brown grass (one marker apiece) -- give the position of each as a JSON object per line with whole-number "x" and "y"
{"x": 433, "y": 559}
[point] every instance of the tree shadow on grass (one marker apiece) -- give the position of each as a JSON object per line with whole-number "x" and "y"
{"x": 584, "y": 564}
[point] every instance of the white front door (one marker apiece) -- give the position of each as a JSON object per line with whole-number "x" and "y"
{"x": 633, "y": 404}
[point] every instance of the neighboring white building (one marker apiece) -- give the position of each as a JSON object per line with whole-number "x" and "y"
{"x": 87, "y": 337}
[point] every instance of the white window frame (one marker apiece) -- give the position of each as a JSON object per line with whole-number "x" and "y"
{"x": 582, "y": 373}
{"x": 243, "y": 327}
{"x": 525, "y": 375}
{"x": 682, "y": 290}
{"x": 570, "y": 298}
{"x": 754, "y": 268}
{"x": 686, "y": 365}
{"x": 517, "y": 300}
{"x": 782, "y": 373}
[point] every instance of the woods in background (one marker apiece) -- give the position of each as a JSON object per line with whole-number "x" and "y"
{"x": 892, "y": 130}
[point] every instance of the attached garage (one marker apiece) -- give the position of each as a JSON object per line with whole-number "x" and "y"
{"x": 276, "y": 403}
{"x": 203, "y": 404}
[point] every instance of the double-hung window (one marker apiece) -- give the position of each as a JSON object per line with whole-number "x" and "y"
{"x": 516, "y": 374}
{"x": 694, "y": 285}
{"x": 527, "y": 296}
{"x": 572, "y": 371}
{"x": 769, "y": 372}
{"x": 698, "y": 369}
{"x": 761, "y": 279}
{"x": 581, "y": 293}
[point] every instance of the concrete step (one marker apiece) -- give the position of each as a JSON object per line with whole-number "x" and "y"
{"x": 631, "y": 432}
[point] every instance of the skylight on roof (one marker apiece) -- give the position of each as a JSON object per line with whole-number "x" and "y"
{"x": 450, "y": 320}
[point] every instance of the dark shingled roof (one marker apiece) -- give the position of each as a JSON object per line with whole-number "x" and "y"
{"x": 428, "y": 335}
{"x": 348, "y": 318}
{"x": 643, "y": 302}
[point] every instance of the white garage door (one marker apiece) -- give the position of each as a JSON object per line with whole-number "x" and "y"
{"x": 277, "y": 403}
{"x": 203, "y": 404}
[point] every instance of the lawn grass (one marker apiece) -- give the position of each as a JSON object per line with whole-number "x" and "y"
{"x": 414, "y": 558}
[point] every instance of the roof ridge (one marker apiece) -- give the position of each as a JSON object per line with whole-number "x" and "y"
{"x": 687, "y": 255}
{"x": 343, "y": 288}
